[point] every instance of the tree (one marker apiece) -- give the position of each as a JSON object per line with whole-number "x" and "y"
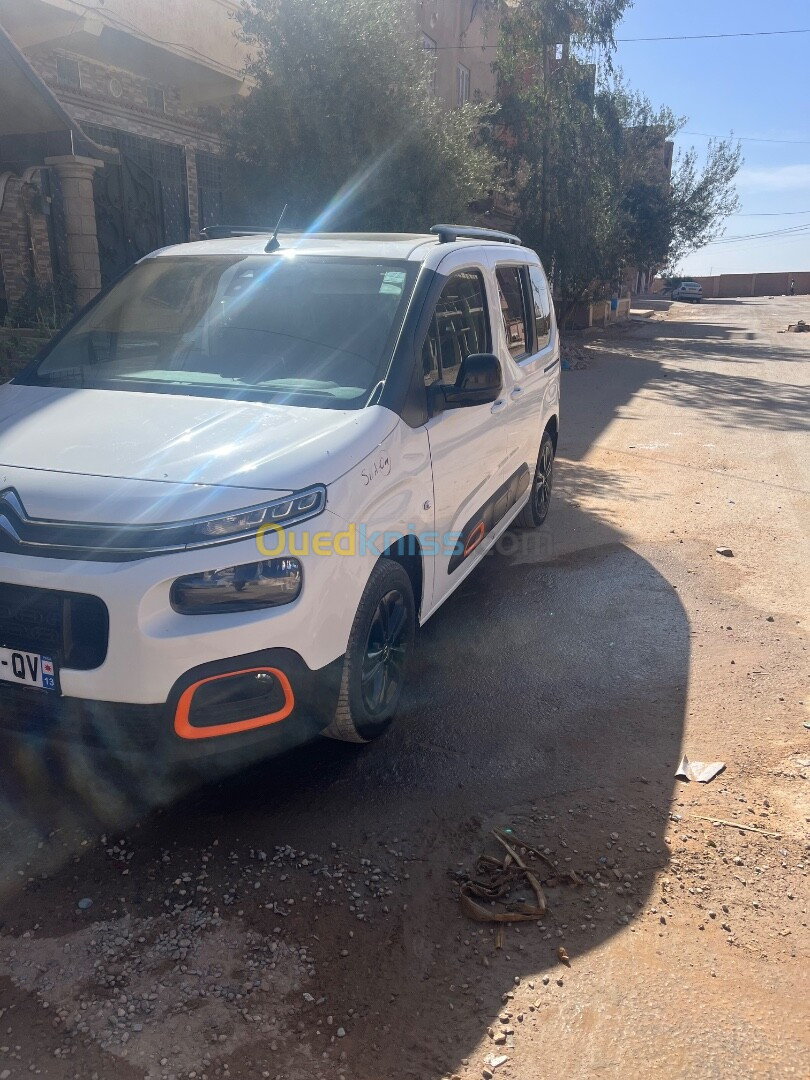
{"x": 703, "y": 197}
{"x": 555, "y": 130}
{"x": 586, "y": 156}
{"x": 342, "y": 123}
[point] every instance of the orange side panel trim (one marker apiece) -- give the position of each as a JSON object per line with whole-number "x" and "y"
{"x": 476, "y": 536}
{"x": 186, "y": 730}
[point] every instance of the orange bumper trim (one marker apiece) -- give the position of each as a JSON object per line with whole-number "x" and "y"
{"x": 476, "y": 536}
{"x": 186, "y": 730}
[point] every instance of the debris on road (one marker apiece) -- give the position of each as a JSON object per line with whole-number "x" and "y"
{"x": 740, "y": 825}
{"x": 700, "y": 771}
{"x": 498, "y": 880}
{"x": 573, "y": 358}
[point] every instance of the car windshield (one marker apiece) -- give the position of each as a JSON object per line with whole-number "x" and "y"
{"x": 304, "y": 330}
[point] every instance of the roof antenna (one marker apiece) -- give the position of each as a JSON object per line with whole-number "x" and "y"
{"x": 273, "y": 243}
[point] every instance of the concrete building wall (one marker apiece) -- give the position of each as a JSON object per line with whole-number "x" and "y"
{"x": 463, "y": 38}
{"x": 769, "y": 284}
{"x": 188, "y": 36}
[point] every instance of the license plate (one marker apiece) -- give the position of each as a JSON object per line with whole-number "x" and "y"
{"x": 27, "y": 669}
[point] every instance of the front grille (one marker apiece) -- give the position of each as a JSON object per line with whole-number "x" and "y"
{"x": 71, "y": 628}
{"x": 37, "y": 715}
{"x": 24, "y": 535}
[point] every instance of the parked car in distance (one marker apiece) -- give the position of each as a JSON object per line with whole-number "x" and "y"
{"x": 688, "y": 291}
{"x": 239, "y": 480}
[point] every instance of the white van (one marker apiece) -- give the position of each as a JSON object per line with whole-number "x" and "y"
{"x": 235, "y": 484}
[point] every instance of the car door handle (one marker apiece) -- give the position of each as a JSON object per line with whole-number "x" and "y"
{"x": 499, "y": 405}
{"x": 518, "y": 390}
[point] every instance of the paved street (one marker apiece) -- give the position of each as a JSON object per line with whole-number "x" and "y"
{"x": 302, "y": 921}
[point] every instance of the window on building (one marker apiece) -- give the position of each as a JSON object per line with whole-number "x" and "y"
{"x": 463, "y": 90}
{"x": 156, "y": 99}
{"x": 511, "y": 287}
{"x": 431, "y": 48}
{"x": 68, "y": 75}
{"x": 542, "y": 306}
{"x": 460, "y": 327}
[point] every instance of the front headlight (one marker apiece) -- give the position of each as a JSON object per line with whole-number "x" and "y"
{"x": 287, "y": 511}
{"x": 238, "y": 588}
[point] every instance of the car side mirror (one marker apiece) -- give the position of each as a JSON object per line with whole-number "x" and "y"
{"x": 479, "y": 382}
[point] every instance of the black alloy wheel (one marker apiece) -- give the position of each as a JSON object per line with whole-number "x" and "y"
{"x": 376, "y": 660}
{"x": 536, "y": 509}
{"x": 386, "y": 652}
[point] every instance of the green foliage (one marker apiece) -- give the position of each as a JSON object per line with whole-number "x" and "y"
{"x": 587, "y": 158}
{"x": 342, "y": 124}
{"x": 559, "y": 136}
{"x": 702, "y": 198}
{"x": 44, "y": 305}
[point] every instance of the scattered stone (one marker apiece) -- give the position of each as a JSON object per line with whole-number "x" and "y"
{"x": 84, "y": 903}
{"x": 726, "y": 551}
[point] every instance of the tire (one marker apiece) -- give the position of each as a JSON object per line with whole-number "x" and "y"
{"x": 535, "y": 512}
{"x": 384, "y": 626}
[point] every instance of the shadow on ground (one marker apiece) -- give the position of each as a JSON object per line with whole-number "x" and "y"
{"x": 548, "y": 694}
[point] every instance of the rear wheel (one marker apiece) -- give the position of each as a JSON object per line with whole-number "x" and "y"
{"x": 535, "y": 512}
{"x": 377, "y": 656}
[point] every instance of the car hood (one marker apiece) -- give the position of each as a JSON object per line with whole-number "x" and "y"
{"x": 175, "y": 439}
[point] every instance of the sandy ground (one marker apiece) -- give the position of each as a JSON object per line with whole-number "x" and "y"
{"x": 302, "y": 920}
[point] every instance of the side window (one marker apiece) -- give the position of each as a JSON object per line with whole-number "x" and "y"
{"x": 542, "y": 306}
{"x": 514, "y": 309}
{"x": 460, "y": 326}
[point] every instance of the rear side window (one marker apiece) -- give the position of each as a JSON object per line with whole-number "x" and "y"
{"x": 514, "y": 309}
{"x": 459, "y": 327}
{"x": 542, "y": 306}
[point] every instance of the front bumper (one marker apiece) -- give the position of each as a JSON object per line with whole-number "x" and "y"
{"x": 150, "y": 646}
{"x": 232, "y": 730}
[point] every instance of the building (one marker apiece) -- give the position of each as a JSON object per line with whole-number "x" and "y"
{"x": 109, "y": 114}
{"x": 108, "y": 121}
{"x": 462, "y": 35}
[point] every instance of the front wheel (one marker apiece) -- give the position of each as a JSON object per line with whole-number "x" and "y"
{"x": 535, "y": 512}
{"x": 377, "y": 656}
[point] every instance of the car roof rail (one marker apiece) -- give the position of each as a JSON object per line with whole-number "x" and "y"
{"x": 225, "y": 232}
{"x": 448, "y": 234}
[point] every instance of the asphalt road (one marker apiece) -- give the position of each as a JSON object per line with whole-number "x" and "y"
{"x": 556, "y": 689}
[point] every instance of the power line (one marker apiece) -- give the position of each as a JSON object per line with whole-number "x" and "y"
{"x": 712, "y": 37}
{"x": 773, "y": 213}
{"x": 667, "y": 37}
{"x": 750, "y": 138}
{"x": 795, "y": 230}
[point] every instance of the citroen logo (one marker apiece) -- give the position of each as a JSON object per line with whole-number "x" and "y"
{"x": 10, "y": 502}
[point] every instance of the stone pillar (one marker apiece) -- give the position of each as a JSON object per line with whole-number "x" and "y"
{"x": 76, "y": 180}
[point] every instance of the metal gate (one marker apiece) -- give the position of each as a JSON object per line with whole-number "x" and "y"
{"x": 141, "y": 202}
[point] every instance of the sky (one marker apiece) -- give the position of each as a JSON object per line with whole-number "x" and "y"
{"x": 757, "y": 88}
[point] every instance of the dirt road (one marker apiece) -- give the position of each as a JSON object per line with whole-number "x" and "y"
{"x": 303, "y": 921}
